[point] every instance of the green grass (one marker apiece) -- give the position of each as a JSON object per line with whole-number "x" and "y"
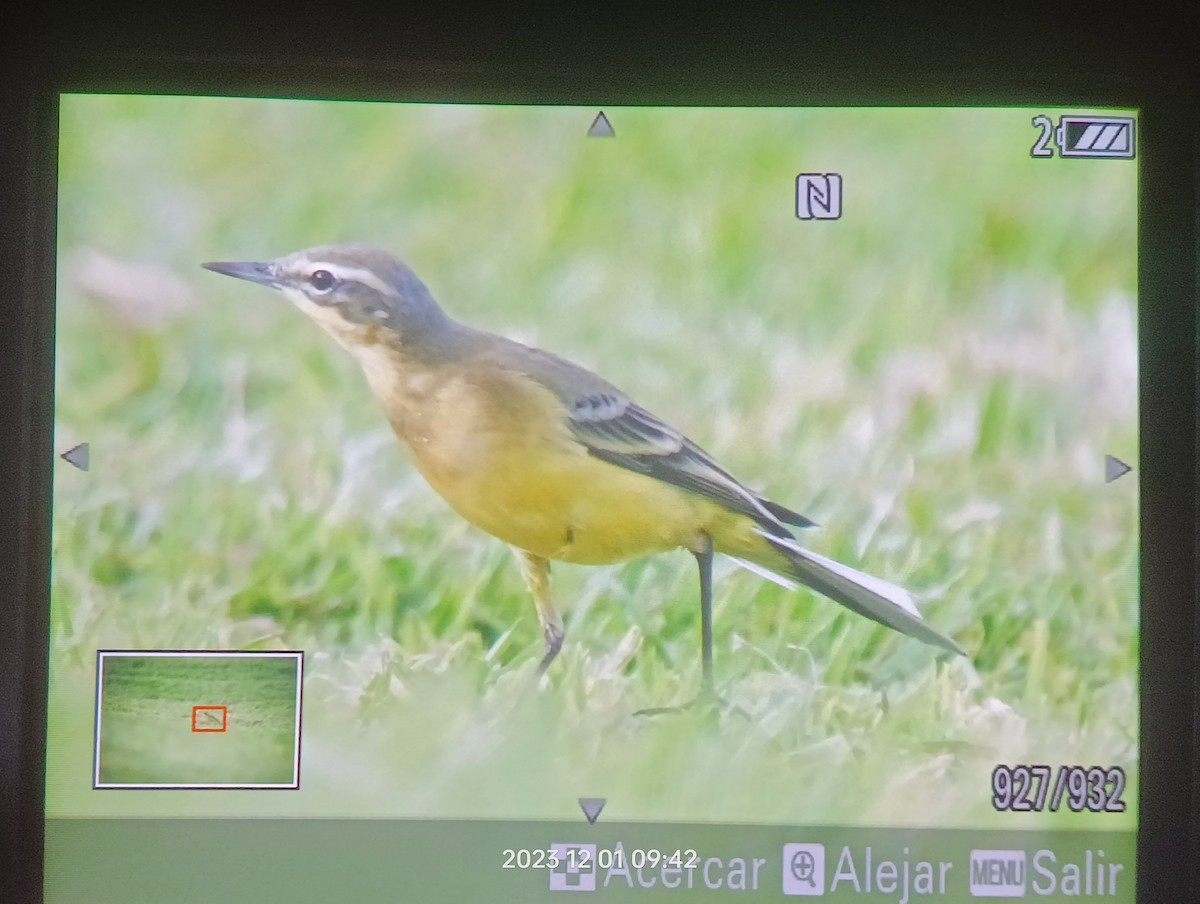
{"x": 147, "y": 736}
{"x": 935, "y": 378}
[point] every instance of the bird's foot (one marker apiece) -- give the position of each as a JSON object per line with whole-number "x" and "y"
{"x": 708, "y": 702}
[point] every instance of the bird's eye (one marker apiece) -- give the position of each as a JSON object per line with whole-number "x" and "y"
{"x": 322, "y": 280}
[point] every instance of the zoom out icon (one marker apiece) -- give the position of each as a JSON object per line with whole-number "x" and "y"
{"x": 804, "y": 869}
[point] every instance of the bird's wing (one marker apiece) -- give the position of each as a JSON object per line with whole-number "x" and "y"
{"x": 615, "y": 429}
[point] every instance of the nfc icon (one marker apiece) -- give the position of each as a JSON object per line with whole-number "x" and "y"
{"x": 819, "y": 196}
{"x": 804, "y": 869}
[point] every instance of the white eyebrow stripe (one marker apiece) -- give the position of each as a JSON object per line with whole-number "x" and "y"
{"x": 352, "y": 274}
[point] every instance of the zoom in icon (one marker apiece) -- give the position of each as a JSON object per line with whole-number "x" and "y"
{"x": 804, "y": 869}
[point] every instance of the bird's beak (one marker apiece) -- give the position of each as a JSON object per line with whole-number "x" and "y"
{"x": 254, "y": 271}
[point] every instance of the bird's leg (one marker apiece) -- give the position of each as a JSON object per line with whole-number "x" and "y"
{"x": 704, "y": 559}
{"x": 536, "y": 571}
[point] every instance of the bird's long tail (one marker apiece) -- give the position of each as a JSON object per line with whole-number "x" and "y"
{"x": 784, "y": 561}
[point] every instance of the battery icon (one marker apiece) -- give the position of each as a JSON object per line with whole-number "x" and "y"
{"x": 1096, "y": 136}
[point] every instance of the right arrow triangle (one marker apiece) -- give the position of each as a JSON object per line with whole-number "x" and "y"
{"x": 601, "y": 127}
{"x": 1114, "y": 468}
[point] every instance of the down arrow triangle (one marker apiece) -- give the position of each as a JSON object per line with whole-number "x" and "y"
{"x": 591, "y": 807}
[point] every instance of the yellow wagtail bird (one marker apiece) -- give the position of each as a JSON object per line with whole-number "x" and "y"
{"x": 546, "y": 455}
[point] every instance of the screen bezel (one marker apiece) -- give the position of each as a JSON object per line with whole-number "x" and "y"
{"x": 462, "y": 70}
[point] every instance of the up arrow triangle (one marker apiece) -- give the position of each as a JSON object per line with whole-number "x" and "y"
{"x": 1114, "y": 468}
{"x": 78, "y": 456}
{"x": 601, "y": 127}
{"x": 591, "y": 807}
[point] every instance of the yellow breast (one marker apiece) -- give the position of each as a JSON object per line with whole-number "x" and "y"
{"x": 496, "y": 447}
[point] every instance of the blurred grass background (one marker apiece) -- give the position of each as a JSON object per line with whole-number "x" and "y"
{"x": 935, "y": 378}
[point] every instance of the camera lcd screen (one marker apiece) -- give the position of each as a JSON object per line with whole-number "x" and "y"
{"x": 646, "y": 500}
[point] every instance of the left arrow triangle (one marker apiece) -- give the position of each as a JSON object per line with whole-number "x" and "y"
{"x": 78, "y": 456}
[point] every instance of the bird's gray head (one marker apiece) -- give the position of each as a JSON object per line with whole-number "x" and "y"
{"x": 358, "y": 294}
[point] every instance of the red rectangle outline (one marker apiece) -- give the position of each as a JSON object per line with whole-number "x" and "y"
{"x": 224, "y": 718}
